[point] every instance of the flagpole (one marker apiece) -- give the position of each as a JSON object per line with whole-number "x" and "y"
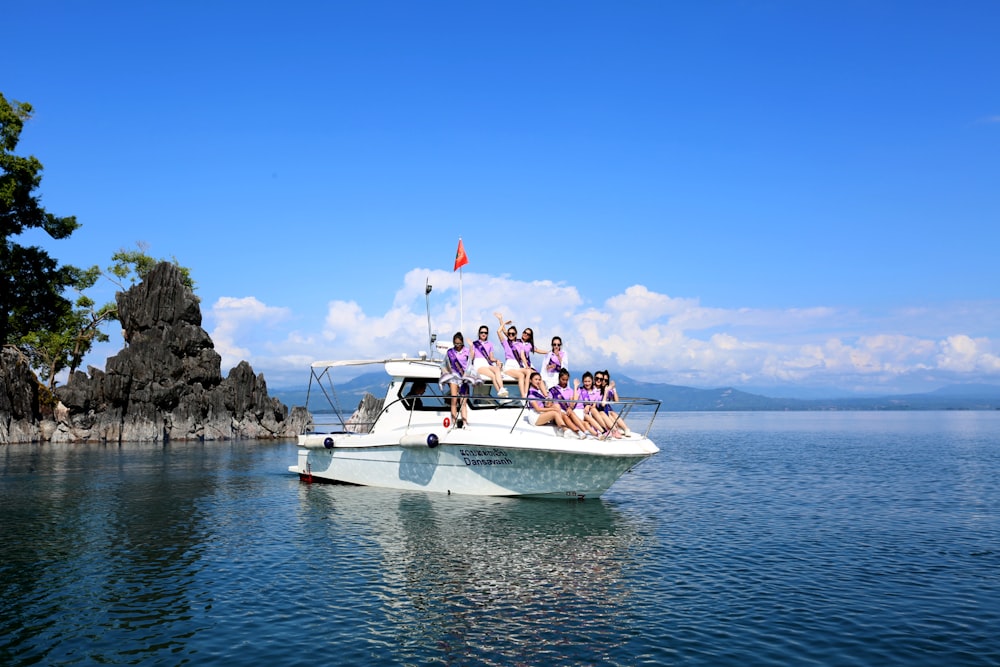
{"x": 461, "y": 259}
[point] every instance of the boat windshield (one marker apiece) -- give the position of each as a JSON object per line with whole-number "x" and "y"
{"x": 419, "y": 394}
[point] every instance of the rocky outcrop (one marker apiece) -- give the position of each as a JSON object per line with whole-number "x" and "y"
{"x": 368, "y": 410}
{"x": 166, "y": 383}
{"x": 20, "y": 398}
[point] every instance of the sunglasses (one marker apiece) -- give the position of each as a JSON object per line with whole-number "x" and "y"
{"x": 511, "y": 334}
{"x": 556, "y": 344}
{"x": 484, "y": 332}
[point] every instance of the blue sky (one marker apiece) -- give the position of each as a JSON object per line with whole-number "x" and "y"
{"x": 757, "y": 194}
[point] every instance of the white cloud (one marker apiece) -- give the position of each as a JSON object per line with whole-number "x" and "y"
{"x": 241, "y": 319}
{"x": 963, "y": 354}
{"x": 641, "y": 333}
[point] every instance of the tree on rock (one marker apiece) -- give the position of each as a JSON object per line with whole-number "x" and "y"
{"x": 31, "y": 282}
{"x": 64, "y": 345}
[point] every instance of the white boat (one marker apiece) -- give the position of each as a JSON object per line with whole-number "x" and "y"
{"x": 402, "y": 445}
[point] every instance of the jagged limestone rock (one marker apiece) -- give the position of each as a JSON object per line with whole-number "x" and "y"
{"x": 368, "y": 410}
{"x": 165, "y": 384}
{"x": 20, "y": 405}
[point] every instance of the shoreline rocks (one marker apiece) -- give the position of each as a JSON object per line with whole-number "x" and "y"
{"x": 165, "y": 384}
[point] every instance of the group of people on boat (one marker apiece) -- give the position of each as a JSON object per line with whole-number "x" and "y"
{"x": 585, "y": 409}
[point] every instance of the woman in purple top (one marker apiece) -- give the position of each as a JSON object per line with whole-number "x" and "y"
{"x": 454, "y": 374}
{"x": 587, "y": 410}
{"x": 485, "y": 363}
{"x": 541, "y": 409}
{"x": 609, "y": 394}
{"x": 528, "y": 348}
{"x": 555, "y": 362}
{"x": 567, "y": 401}
{"x": 516, "y": 364}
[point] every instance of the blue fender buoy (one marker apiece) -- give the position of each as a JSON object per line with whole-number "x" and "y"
{"x": 328, "y": 443}
{"x": 432, "y": 440}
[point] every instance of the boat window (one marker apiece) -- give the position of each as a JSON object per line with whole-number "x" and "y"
{"x": 428, "y": 395}
{"x": 425, "y": 395}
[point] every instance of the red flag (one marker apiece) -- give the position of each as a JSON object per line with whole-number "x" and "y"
{"x": 461, "y": 259}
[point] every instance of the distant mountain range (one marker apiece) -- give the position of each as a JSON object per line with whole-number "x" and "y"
{"x": 688, "y": 399}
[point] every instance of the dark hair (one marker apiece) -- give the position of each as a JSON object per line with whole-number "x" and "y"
{"x": 481, "y": 327}
{"x": 557, "y": 338}
{"x": 563, "y": 372}
{"x": 588, "y": 374}
{"x": 458, "y": 336}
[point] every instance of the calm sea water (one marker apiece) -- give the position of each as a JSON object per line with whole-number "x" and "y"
{"x": 751, "y": 539}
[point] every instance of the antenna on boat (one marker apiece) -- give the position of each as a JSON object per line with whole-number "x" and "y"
{"x": 427, "y": 298}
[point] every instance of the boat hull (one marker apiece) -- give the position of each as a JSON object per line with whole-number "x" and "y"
{"x": 411, "y": 440}
{"x": 473, "y": 469}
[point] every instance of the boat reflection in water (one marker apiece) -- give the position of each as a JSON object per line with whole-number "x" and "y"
{"x": 500, "y": 579}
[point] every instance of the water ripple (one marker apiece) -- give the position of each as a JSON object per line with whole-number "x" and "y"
{"x": 750, "y": 540}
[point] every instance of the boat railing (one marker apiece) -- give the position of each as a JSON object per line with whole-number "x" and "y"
{"x": 625, "y": 406}
{"x": 371, "y": 409}
{"x": 645, "y": 409}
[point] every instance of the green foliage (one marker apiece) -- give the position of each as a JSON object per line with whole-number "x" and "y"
{"x": 31, "y": 282}
{"x": 52, "y": 349}
{"x": 35, "y": 314}
{"x": 46, "y": 352}
{"x": 132, "y": 266}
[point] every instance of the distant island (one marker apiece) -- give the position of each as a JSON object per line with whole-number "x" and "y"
{"x": 689, "y": 399}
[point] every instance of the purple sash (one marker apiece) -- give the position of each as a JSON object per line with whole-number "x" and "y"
{"x": 555, "y": 363}
{"x": 481, "y": 348}
{"x": 609, "y": 395}
{"x": 457, "y": 367}
{"x": 535, "y": 395}
{"x": 508, "y": 351}
{"x": 523, "y": 354}
{"x": 558, "y": 392}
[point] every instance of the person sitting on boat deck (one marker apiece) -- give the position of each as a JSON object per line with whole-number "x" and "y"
{"x": 542, "y": 410}
{"x": 556, "y": 362}
{"x": 608, "y": 395}
{"x": 459, "y": 375}
{"x": 587, "y": 409}
{"x": 567, "y": 401}
{"x": 515, "y": 365}
{"x": 486, "y": 363}
{"x": 412, "y": 400}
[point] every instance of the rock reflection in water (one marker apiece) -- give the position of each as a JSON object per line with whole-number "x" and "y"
{"x": 105, "y": 534}
{"x": 501, "y": 579}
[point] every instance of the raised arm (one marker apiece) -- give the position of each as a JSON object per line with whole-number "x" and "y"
{"x": 502, "y": 327}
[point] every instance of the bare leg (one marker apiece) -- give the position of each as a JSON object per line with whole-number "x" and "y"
{"x": 591, "y": 421}
{"x": 580, "y": 425}
{"x": 454, "y": 401}
{"x": 550, "y": 417}
{"x": 618, "y": 422}
{"x": 601, "y": 418}
{"x": 521, "y": 375}
{"x": 493, "y": 374}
